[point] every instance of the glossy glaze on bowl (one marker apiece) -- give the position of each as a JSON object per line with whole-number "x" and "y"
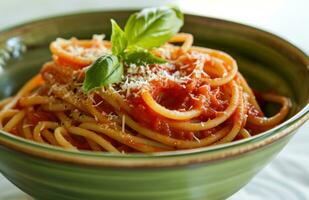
{"x": 50, "y": 173}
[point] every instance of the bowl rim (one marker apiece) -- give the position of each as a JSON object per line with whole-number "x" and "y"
{"x": 162, "y": 159}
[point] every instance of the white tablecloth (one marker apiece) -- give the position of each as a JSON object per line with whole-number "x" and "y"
{"x": 287, "y": 177}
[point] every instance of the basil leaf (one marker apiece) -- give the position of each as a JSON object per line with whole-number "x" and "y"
{"x": 142, "y": 57}
{"x": 153, "y": 26}
{"x": 118, "y": 39}
{"x": 105, "y": 70}
{"x": 178, "y": 13}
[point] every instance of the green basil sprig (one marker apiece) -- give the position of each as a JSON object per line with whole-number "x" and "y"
{"x": 152, "y": 27}
{"x": 144, "y": 30}
{"x": 141, "y": 57}
{"x": 118, "y": 39}
{"x": 105, "y": 70}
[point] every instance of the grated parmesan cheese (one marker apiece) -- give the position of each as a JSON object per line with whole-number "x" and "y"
{"x": 196, "y": 138}
{"x": 96, "y": 105}
{"x": 139, "y": 77}
{"x": 112, "y": 117}
{"x": 79, "y": 51}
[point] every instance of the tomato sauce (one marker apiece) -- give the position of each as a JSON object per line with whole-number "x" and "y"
{"x": 35, "y": 117}
{"x": 173, "y": 96}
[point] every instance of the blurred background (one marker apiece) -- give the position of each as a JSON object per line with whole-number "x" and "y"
{"x": 287, "y": 177}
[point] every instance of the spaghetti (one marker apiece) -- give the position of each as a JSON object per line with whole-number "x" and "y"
{"x": 197, "y": 99}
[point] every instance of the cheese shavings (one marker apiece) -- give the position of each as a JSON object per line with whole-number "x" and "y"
{"x": 140, "y": 77}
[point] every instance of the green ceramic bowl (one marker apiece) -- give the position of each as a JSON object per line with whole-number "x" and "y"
{"x": 50, "y": 173}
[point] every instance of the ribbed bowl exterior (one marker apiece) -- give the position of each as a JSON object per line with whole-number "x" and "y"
{"x": 49, "y": 180}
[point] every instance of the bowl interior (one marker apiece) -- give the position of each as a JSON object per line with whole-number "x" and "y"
{"x": 268, "y": 62}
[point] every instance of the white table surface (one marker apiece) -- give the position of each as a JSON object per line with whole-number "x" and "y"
{"x": 287, "y": 176}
